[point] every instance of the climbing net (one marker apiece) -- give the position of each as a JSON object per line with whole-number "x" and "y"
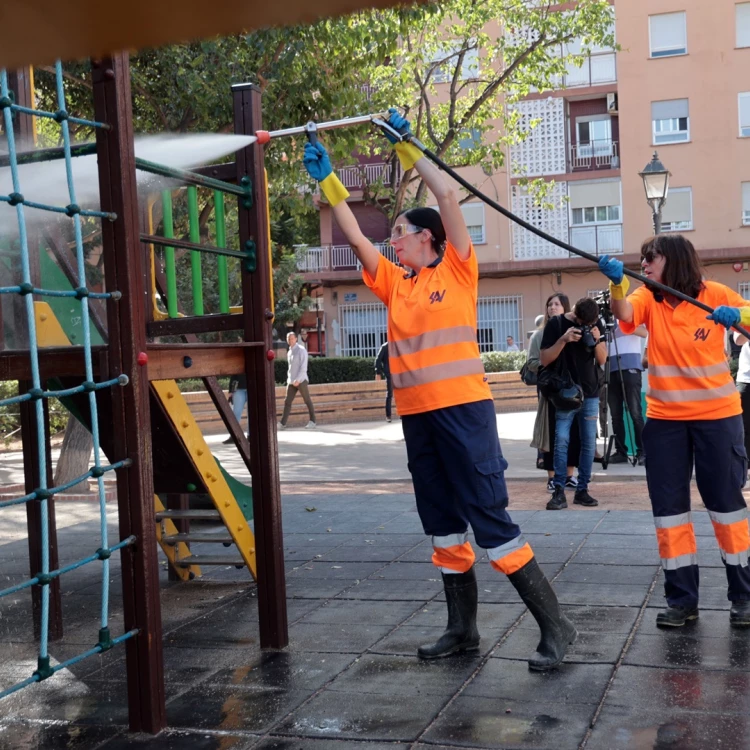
{"x": 36, "y": 394}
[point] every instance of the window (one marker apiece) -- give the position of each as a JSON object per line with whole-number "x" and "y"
{"x": 469, "y": 67}
{"x": 668, "y": 34}
{"x": 364, "y": 329}
{"x": 595, "y": 214}
{"x": 498, "y": 318}
{"x": 742, "y": 19}
{"x": 594, "y": 136}
{"x": 677, "y": 214}
{"x": 474, "y": 218}
{"x": 670, "y": 121}
{"x": 746, "y": 204}
{"x": 594, "y": 202}
{"x": 743, "y": 288}
{"x": 743, "y": 106}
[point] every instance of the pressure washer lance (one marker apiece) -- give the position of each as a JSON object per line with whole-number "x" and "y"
{"x": 385, "y": 126}
{"x": 311, "y": 128}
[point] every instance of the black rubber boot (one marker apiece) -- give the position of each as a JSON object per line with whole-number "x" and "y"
{"x": 558, "y": 632}
{"x": 739, "y": 615}
{"x": 676, "y": 617}
{"x": 461, "y": 633}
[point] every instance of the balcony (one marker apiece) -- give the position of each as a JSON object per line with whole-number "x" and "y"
{"x": 598, "y": 154}
{"x": 356, "y": 177}
{"x": 596, "y": 69}
{"x": 336, "y": 258}
{"x": 598, "y": 239}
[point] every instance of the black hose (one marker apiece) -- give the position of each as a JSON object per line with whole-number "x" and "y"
{"x": 564, "y": 245}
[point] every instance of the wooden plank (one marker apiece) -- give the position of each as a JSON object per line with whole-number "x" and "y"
{"x": 257, "y": 318}
{"x": 187, "y": 325}
{"x": 126, "y": 324}
{"x": 225, "y": 172}
{"x": 168, "y": 364}
{"x": 53, "y": 361}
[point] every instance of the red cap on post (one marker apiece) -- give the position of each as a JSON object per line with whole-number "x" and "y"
{"x": 263, "y": 137}
{"x": 270, "y": 355}
{"x": 142, "y": 359}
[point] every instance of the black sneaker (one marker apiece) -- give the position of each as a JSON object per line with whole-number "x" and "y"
{"x": 739, "y": 615}
{"x": 641, "y": 460}
{"x": 571, "y": 482}
{"x": 558, "y": 501}
{"x": 618, "y": 458}
{"x": 676, "y": 617}
{"x": 582, "y": 497}
{"x": 550, "y": 485}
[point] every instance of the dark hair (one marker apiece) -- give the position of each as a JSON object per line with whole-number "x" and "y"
{"x": 682, "y": 267}
{"x": 587, "y": 311}
{"x": 564, "y": 301}
{"x": 429, "y": 218}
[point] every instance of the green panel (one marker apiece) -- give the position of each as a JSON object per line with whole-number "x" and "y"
{"x": 242, "y": 493}
{"x": 67, "y": 309}
{"x": 629, "y": 430}
{"x": 195, "y": 256}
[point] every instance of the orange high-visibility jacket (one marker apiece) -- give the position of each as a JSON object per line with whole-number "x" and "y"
{"x": 432, "y": 332}
{"x": 688, "y": 373}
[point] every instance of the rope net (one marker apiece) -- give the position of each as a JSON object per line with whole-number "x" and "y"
{"x": 37, "y": 394}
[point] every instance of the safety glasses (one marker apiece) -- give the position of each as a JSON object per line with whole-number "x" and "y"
{"x": 649, "y": 256}
{"x": 400, "y": 231}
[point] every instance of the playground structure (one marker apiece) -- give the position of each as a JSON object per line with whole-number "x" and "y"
{"x": 107, "y": 369}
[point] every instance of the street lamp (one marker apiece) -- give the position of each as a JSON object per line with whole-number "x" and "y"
{"x": 655, "y": 178}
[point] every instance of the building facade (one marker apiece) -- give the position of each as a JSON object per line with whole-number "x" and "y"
{"x": 680, "y": 85}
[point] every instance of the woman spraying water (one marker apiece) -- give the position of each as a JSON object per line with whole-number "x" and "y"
{"x": 447, "y": 410}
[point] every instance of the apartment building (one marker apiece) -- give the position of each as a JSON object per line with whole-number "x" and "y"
{"x": 680, "y": 85}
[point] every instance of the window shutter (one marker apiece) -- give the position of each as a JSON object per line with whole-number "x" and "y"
{"x": 667, "y": 32}
{"x": 743, "y": 24}
{"x": 746, "y": 196}
{"x": 667, "y": 110}
{"x": 678, "y": 206}
{"x": 586, "y": 194}
{"x": 743, "y": 101}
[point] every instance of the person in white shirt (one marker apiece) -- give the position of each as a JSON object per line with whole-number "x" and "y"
{"x": 743, "y": 383}
{"x": 511, "y": 346}
{"x": 297, "y": 381}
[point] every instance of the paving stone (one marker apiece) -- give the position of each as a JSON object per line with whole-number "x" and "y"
{"x": 329, "y": 638}
{"x": 408, "y": 638}
{"x": 490, "y": 616}
{"x": 710, "y": 624}
{"x": 393, "y": 590}
{"x": 513, "y": 680}
{"x": 295, "y": 743}
{"x": 174, "y": 740}
{"x": 606, "y": 574}
{"x": 231, "y": 708}
{"x": 618, "y": 541}
{"x": 350, "y": 571}
{"x": 352, "y": 611}
{"x": 368, "y": 553}
{"x": 659, "y": 689}
{"x": 312, "y": 588}
{"x": 683, "y": 649}
{"x": 298, "y": 608}
{"x": 408, "y": 571}
{"x": 711, "y": 597}
{"x": 546, "y": 522}
{"x": 383, "y": 538}
{"x": 52, "y": 737}
{"x": 508, "y": 724}
{"x": 407, "y": 676}
{"x": 283, "y": 670}
{"x": 595, "y": 594}
{"x": 619, "y": 728}
{"x": 340, "y": 715}
{"x": 616, "y": 556}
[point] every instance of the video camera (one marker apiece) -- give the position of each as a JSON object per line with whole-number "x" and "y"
{"x": 605, "y": 311}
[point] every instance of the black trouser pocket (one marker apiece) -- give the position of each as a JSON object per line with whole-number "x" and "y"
{"x": 739, "y": 465}
{"x": 490, "y": 478}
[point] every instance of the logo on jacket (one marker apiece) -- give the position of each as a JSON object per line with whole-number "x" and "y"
{"x": 701, "y": 333}
{"x": 437, "y": 296}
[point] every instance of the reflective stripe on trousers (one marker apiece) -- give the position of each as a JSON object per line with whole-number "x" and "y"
{"x": 733, "y": 535}
{"x": 676, "y": 538}
{"x": 511, "y": 556}
{"x": 453, "y": 553}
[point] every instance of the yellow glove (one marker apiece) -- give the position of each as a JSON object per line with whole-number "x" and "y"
{"x": 333, "y": 189}
{"x": 619, "y": 291}
{"x": 408, "y": 154}
{"x": 745, "y": 316}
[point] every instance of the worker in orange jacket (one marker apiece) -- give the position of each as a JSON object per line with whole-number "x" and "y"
{"x": 447, "y": 410}
{"x": 694, "y": 418}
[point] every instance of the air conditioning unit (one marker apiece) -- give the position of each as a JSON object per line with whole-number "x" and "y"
{"x": 612, "y": 103}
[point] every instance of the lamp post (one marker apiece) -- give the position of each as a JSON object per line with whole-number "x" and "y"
{"x": 655, "y": 178}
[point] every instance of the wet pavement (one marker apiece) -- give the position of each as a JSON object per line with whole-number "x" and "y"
{"x": 362, "y": 596}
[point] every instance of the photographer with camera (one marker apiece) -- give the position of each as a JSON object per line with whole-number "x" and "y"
{"x": 572, "y": 349}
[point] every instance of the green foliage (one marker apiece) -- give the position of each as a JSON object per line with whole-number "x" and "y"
{"x": 10, "y": 416}
{"x": 331, "y": 369}
{"x": 503, "y": 361}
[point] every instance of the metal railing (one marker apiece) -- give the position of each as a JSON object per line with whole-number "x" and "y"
{"x": 364, "y": 174}
{"x": 336, "y": 258}
{"x": 596, "y": 69}
{"x": 599, "y": 154}
{"x": 599, "y": 239}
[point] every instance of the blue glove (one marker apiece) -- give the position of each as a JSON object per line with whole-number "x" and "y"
{"x": 401, "y": 124}
{"x": 611, "y": 268}
{"x": 316, "y": 161}
{"x": 726, "y": 316}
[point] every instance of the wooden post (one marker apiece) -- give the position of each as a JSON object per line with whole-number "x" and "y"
{"x": 258, "y": 320}
{"x": 31, "y": 465}
{"x": 126, "y": 324}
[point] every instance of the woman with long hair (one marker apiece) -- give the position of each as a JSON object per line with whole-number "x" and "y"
{"x": 556, "y": 304}
{"x": 447, "y": 410}
{"x": 694, "y": 418}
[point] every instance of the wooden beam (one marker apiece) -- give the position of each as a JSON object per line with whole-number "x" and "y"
{"x": 258, "y": 320}
{"x": 54, "y": 361}
{"x": 131, "y": 434}
{"x": 170, "y": 364}
{"x": 188, "y": 325}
